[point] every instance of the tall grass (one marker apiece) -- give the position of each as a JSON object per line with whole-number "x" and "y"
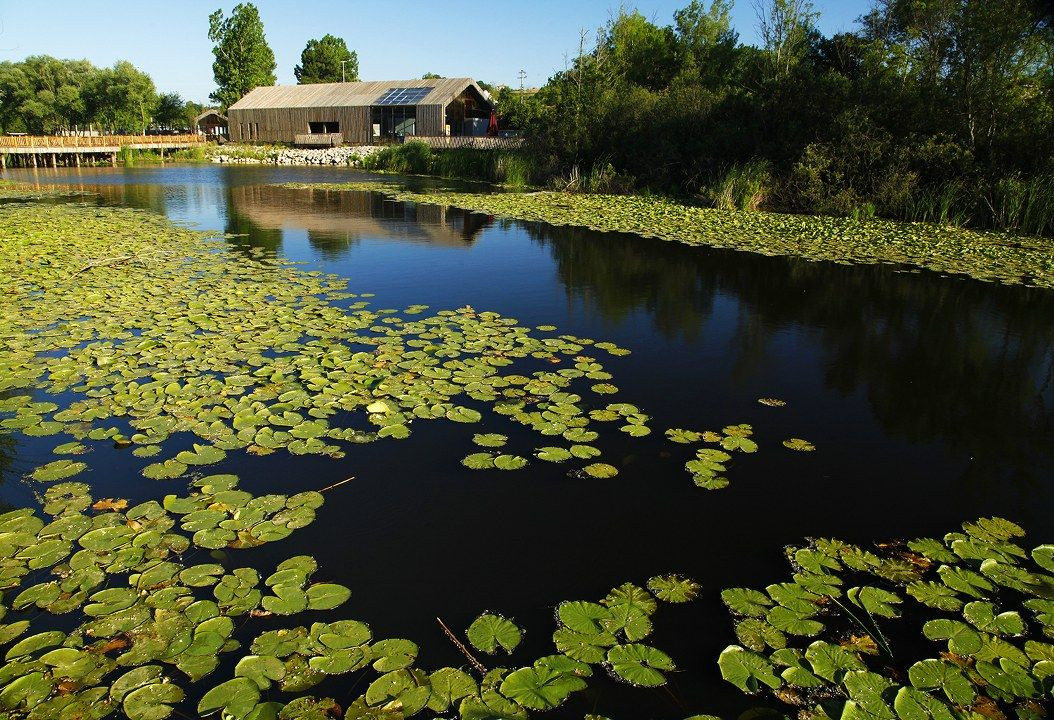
{"x": 1023, "y": 205}
{"x": 741, "y": 187}
{"x": 945, "y": 204}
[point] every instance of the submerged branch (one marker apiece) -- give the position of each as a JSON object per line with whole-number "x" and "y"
{"x": 461, "y": 646}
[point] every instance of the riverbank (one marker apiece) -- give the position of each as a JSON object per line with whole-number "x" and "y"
{"x": 987, "y": 256}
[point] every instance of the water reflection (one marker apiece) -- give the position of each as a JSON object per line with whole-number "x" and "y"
{"x": 335, "y": 221}
{"x": 967, "y": 363}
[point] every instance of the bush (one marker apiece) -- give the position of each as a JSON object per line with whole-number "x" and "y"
{"x": 412, "y": 157}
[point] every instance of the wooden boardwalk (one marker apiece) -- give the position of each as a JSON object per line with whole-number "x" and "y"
{"x": 34, "y": 150}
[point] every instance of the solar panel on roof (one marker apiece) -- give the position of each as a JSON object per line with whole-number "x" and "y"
{"x": 403, "y": 96}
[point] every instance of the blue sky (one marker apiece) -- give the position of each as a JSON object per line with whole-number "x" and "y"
{"x": 490, "y": 41}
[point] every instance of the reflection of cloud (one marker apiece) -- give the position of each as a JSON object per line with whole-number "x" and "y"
{"x": 340, "y": 217}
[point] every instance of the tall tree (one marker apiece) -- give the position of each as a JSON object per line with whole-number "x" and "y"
{"x": 170, "y": 111}
{"x": 244, "y": 60}
{"x": 785, "y": 26}
{"x": 640, "y": 51}
{"x": 707, "y": 38}
{"x": 122, "y": 97}
{"x": 320, "y": 62}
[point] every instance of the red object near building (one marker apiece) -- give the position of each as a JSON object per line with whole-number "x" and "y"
{"x": 492, "y": 128}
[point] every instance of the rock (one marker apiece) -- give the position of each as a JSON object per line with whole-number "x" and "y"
{"x": 249, "y": 155}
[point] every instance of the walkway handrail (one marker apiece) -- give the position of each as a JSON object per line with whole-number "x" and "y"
{"x": 86, "y": 141}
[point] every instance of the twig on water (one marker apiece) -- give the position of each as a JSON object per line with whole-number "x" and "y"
{"x": 337, "y": 484}
{"x": 105, "y": 263}
{"x": 461, "y": 646}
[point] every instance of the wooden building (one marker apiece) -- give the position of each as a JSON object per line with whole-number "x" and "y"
{"x": 360, "y": 113}
{"x": 211, "y": 123}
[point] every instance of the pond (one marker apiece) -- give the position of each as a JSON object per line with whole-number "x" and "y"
{"x": 929, "y": 399}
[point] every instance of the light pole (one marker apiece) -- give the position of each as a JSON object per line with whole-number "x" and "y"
{"x": 342, "y": 69}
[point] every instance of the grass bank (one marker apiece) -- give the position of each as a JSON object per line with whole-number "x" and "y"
{"x": 988, "y": 256}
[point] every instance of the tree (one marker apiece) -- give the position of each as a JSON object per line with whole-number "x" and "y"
{"x": 431, "y": 76}
{"x": 170, "y": 111}
{"x": 244, "y": 60}
{"x": 123, "y": 97}
{"x": 785, "y": 27}
{"x": 190, "y": 111}
{"x": 641, "y": 52}
{"x": 320, "y": 62}
{"x": 707, "y": 39}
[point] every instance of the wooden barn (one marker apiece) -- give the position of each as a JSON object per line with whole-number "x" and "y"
{"x": 360, "y": 113}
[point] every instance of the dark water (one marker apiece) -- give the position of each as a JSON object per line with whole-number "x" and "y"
{"x": 930, "y": 400}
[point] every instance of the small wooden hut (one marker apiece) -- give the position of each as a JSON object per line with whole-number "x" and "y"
{"x": 360, "y": 113}
{"x": 211, "y": 123}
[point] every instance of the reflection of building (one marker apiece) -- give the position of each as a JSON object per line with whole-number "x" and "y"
{"x": 211, "y": 123}
{"x": 361, "y": 112}
{"x": 350, "y": 215}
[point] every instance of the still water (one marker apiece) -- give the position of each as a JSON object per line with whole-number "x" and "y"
{"x": 930, "y": 400}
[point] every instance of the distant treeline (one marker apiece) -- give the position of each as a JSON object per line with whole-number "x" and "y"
{"x": 45, "y": 95}
{"x": 936, "y": 110}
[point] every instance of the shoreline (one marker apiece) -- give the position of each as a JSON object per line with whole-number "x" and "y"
{"x": 982, "y": 255}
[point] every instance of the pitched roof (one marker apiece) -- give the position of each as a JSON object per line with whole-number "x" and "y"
{"x": 441, "y": 91}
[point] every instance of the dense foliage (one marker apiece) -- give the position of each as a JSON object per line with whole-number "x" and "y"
{"x": 42, "y": 94}
{"x": 320, "y": 62}
{"x": 244, "y": 60}
{"x": 926, "y": 111}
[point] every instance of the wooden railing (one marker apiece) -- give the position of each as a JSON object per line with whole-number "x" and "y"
{"x": 78, "y": 141}
{"x": 484, "y": 142}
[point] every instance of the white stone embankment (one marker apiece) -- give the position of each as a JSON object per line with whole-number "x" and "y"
{"x": 350, "y": 155}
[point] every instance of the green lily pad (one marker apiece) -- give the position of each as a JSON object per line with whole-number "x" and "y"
{"x": 540, "y": 688}
{"x": 747, "y": 670}
{"x": 674, "y": 588}
{"x": 489, "y": 631}
{"x": 58, "y": 470}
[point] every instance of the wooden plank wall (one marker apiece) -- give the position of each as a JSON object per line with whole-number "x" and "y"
{"x": 431, "y": 120}
{"x": 282, "y": 125}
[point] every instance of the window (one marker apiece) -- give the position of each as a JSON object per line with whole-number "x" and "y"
{"x": 316, "y": 128}
{"x": 394, "y": 121}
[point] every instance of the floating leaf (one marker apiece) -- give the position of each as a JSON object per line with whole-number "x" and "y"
{"x": 58, "y": 470}
{"x": 600, "y": 470}
{"x": 488, "y": 632}
{"x": 747, "y": 670}
{"x": 540, "y": 688}
{"x": 962, "y": 639}
{"x": 673, "y": 588}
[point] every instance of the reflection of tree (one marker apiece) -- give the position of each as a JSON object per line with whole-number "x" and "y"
{"x": 330, "y": 245}
{"x": 622, "y": 275}
{"x": 244, "y": 233}
{"x": 7, "y": 445}
{"x": 967, "y": 363}
{"x": 143, "y": 196}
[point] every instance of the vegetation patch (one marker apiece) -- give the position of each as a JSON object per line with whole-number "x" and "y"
{"x": 989, "y": 256}
{"x": 944, "y": 628}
